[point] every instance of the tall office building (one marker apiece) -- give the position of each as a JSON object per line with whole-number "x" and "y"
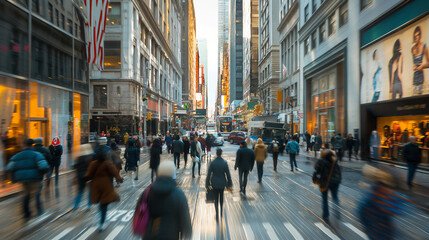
{"x": 250, "y": 49}
{"x": 223, "y": 25}
{"x": 236, "y": 50}
{"x": 202, "y": 48}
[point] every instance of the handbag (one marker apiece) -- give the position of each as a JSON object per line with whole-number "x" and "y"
{"x": 317, "y": 179}
{"x": 210, "y": 195}
{"x": 141, "y": 215}
{"x": 195, "y": 159}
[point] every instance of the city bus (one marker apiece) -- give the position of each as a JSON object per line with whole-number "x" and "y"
{"x": 266, "y": 130}
{"x": 224, "y": 126}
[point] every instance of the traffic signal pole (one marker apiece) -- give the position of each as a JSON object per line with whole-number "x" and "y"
{"x": 147, "y": 68}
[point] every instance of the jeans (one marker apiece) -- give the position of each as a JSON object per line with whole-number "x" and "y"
{"x": 412, "y": 167}
{"x": 81, "y": 191}
{"x": 185, "y": 157}
{"x": 103, "y": 213}
{"x": 260, "y": 166}
{"x": 350, "y": 150}
{"x": 218, "y": 201}
{"x": 169, "y": 149}
{"x": 242, "y": 174}
{"x": 334, "y": 192}
{"x": 292, "y": 161}
{"x": 153, "y": 174}
{"x": 275, "y": 158}
{"x": 30, "y": 189}
{"x": 199, "y": 168}
{"x": 339, "y": 153}
{"x": 49, "y": 175}
{"x": 177, "y": 159}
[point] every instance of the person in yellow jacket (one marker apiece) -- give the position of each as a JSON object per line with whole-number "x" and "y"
{"x": 126, "y": 137}
{"x": 261, "y": 153}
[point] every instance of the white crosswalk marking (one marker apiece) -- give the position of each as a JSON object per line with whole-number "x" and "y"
{"x": 115, "y": 232}
{"x": 270, "y": 231}
{"x": 328, "y": 232}
{"x": 63, "y": 233}
{"x": 293, "y": 231}
{"x": 87, "y": 233}
{"x": 248, "y": 231}
{"x": 357, "y": 231}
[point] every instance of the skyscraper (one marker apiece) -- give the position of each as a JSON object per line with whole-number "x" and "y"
{"x": 223, "y": 25}
{"x": 236, "y": 50}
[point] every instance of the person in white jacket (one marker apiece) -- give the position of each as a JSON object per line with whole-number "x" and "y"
{"x": 196, "y": 151}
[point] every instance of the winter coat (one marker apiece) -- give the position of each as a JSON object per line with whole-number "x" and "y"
{"x": 292, "y": 147}
{"x": 169, "y": 140}
{"x": 44, "y": 151}
{"x": 317, "y": 143}
{"x": 356, "y": 145}
{"x": 338, "y": 142}
{"x": 196, "y": 149}
{"x": 116, "y": 158}
{"x": 209, "y": 141}
{"x": 350, "y": 142}
{"x": 186, "y": 146}
{"x": 155, "y": 155}
{"x": 101, "y": 174}
{"x": 245, "y": 159}
{"x": 218, "y": 175}
{"x": 313, "y": 139}
{"x": 202, "y": 142}
{"x": 412, "y": 153}
{"x": 307, "y": 137}
{"x": 323, "y": 167}
{"x": 27, "y": 166}
{"x": 132, "y": 157}
{"x": 249, "y": 143}
{"x": 82, "y": 165}
{"x": 261, "y": 151}
{"x": 168, "y": 211}
{"x": 56, "y": 152}
{"x": 178, "y": 146}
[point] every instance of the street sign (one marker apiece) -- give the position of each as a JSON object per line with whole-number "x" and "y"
{"x": 201, "y": 112}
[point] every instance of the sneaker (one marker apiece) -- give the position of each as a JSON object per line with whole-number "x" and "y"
{"x": 136, "y": 178}
{"x": 101, "y": 228}
{"x": 259, "y": 181}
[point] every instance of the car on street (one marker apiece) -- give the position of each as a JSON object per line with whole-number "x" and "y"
{"x": 236, "y": 137}
{"x": 218, "y": 140}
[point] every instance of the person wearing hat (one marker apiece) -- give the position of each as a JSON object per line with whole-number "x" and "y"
{"x": 168, "y": 208}
{"x": 218, "y": 177}
{"x": 86, "y": 155}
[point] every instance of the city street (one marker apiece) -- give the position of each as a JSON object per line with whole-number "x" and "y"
{"x": 285, "y": 206}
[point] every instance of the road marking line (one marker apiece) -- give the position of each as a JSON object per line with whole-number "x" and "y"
{"x": 270, "y": 231}
{"x": 293, "y": 231}
{"x": 87, "y": 233}
{"x": 328, "y": 232}
{"x": 248, "y": 231}
{"x": 63, "y": 233}
{"x": 357, "y": 231}
{"x": 115, "y": 232}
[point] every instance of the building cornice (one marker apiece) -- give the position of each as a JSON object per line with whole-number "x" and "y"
{"x": 292, "y": 10}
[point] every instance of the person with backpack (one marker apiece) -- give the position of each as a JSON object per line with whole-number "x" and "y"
{"x": 292, "y": 148}
{"x": 56, "y": 150}
{"x": 327, "y": 175}
{"x": 132, "y": 157}
{"x": 28, "y": 167}
{"x": 261, "y": 153}
{"x": 275, "y": 149}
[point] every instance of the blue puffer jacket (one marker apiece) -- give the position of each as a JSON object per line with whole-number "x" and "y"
{"x": 28, "y": 166}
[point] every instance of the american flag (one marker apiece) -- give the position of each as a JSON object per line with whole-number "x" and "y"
{"x": 96, "y": 12}
{"x": 284, "y": 70}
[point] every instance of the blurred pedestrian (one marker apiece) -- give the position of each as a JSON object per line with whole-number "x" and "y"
{"x": 56, "y": 150}
{"x": 38, "y": 147}
{"x": 137, "y": 144}
{"x": 168, "y": 208}
{"x": 203, "y": 145}
{"x": 261, "y": 153}
{"x": 209, "y": 143}
{"x": 186, "y": 147}
{"x": 169, "y": 142}
{"x": 244, "y": 161}
{"x": 155, "y": 156}
{"x": 292, "y": 148}
{"x": 178, "y": 149}
{"x": 275, "y": 149}
{"x": 338, "y": 145}
{"x": 412, "y": 154}
{"x": 28, "y": 168}
{"x": 328, "y": 175}
{"x": 196, "y": 152}
{"x": 100, "y": 173}
{"x": 249, "y": 142}
{"x": 218, "y": 177}
{"x": 381, "y": 204}
{"x": 115, "y": 155}
{"x": 317, "y": 144}
{"x": 86, "y": 156}
{"x": 131, "y": 158}
{"x": 350, "y": 142}
{"x": 312, "y": 141}
{"x": 356, "y": 147}
{"x": 126, "y": 137}
{"x": 307, "y": 137}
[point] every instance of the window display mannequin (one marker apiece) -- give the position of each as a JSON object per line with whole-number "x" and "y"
{"x": 374, "y": 144}
{"x": 404, "y": 136}
{"x": 396, "y": 128}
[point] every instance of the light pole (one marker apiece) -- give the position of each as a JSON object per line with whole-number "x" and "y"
{"x": 147, "y": 67}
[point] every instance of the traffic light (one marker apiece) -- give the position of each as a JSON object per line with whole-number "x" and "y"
{"x": 148, "y": 116}
{"x": 144, "y": 99}
{"x": 172, "y": 115}
{"x": 174, "y": 108}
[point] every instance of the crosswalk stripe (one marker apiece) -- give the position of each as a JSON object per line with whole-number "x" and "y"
{"x": 248, "y": 231}
{"x": 328, "y": 232}
{"x": 115, "y": 232}
{"x": 63, "y": 233}
{"x": 270, "y": 231}
{"x": 87, "y": 233}
{"x": 357, "y": 231}
{"x": 293, "y": 231}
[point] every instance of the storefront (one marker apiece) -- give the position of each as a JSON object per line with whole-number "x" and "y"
{"x": 394, "y": 88}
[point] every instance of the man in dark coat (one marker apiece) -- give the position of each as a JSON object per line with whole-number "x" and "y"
{"x": 38, "y": 147}
{"x": 350, "y": 142}
{"x": 155, "y": 156}
{"x": 178, "y": 149}
{"x": 28, "y": 167}
{"x": 338, "y": 145}
{"x": 56, "y": 151}
{"x": 244, "y": 161}
{"x": 186, "y": 147}
{"x": 307, "y": 140}
{"x": 412, "y": 154}
{"x": 169, "y": 142}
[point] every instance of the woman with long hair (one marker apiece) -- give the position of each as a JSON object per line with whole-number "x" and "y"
{"x": 132, "y": 156}
{"x": 155, "y": 156}
{"x": 395, "y": 70}
{"x": 419, "y": 50}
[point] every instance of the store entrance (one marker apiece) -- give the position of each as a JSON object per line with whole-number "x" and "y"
{"x": 39, "y": 128}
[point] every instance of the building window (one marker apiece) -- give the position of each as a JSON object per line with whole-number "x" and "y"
{"x": 365, "y": 3}
{"x": 51, "y": 12}
{"x": 57, "y": 17}
{"x": 35, "y": 6}
{"x": 112, "y": 54}
{"x": 114, "y": 14}
{"x": 343, "y": 14}
{"x": 322, "y": 33}
{"x": 70, "y": 26}
{"x": 313, "y": 40}
{"x": 306, "y": 13}
{"x": 331, "y": 24}
{"x": 314, "y": 6}
{"x": 306, "y": 45}
{"x": 63, "y": 21}
{"x": 100, "y": 96}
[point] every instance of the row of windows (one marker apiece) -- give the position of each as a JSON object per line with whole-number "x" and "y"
{"x": 289, "y": 53}
{"x": 265, "y": 73}
{"x": 289, "y": 92}
{"x": 285, "y": 8}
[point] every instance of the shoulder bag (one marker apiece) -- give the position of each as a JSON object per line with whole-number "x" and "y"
{"x": 141, "y": 214}
{"x": 316, "y": 178}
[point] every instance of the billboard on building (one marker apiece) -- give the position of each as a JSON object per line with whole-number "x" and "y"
{"x": 397, "y": 66}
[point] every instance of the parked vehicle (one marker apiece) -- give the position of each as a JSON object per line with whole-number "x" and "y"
{"x": 219, "y": 139}
{"x": 236, "y": 137}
